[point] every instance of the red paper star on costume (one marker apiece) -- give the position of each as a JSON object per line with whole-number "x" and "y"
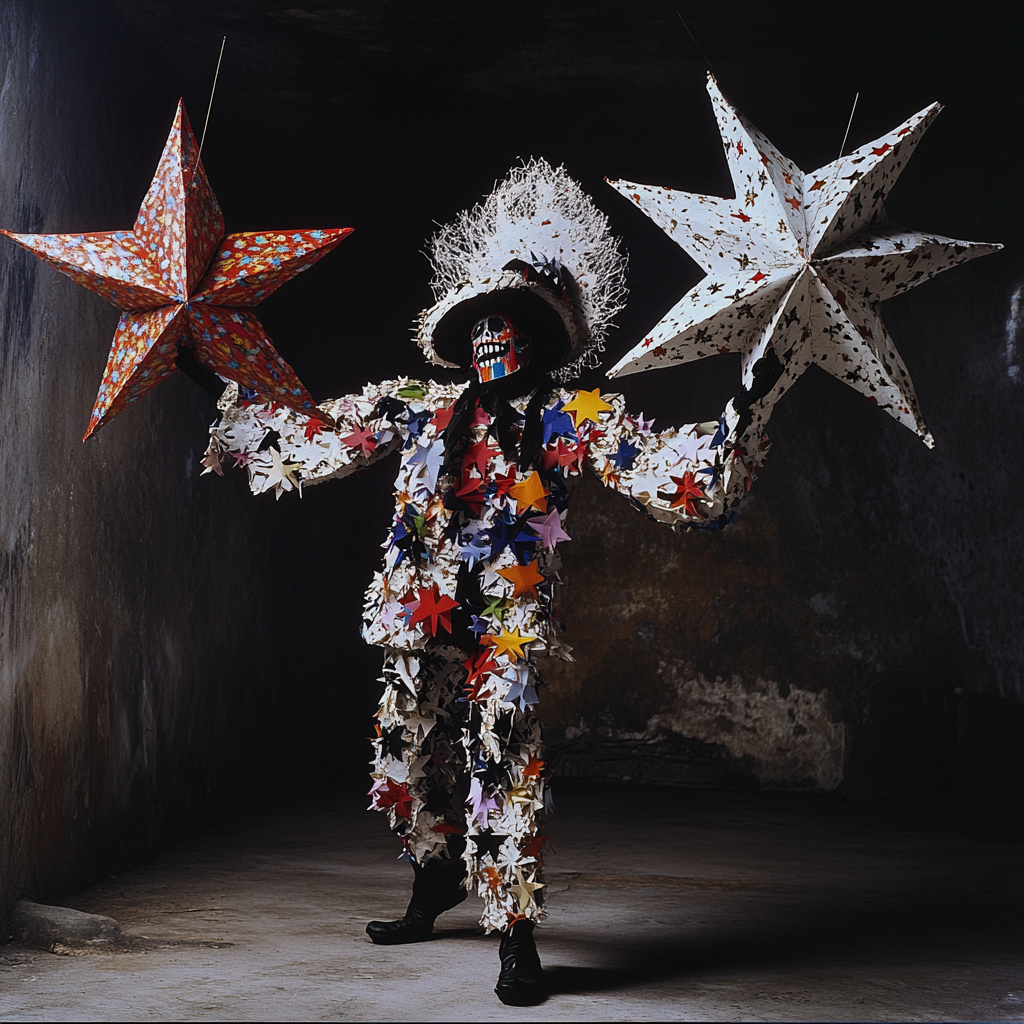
{"x": 434, "y": 609}
{"x": 480, "y": 670}
{"x": 360, "y": 438}
{"x": 182, "y": 283}
{"x": 688, "y": 490}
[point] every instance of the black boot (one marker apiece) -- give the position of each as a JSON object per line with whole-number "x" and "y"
{"x": 436, "y": 887}
{"x": 521, "y": 981}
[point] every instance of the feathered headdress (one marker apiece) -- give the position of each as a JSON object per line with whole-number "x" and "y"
{"x": 538, "y": 249}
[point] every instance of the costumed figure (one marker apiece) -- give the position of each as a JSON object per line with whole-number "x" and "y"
{"x": 526, "y": 286}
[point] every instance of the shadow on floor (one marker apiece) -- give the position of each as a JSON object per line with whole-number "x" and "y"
{"x": 900, "y": 930}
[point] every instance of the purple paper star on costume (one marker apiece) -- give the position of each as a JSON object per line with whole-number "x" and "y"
{"x": 549, "y": 529}
{"x": 481, "y": 802}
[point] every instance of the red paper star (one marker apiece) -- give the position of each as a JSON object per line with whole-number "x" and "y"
{"x": 688, "y": 490}
{"x": 313, "y": 428}
{"x": 443, "y": 417}
{"x": 182, "y": 282}
{"x": 534, "y": 846}
{"x": 504, "y": 482}
{"x": 480, "y": 670}
{"x": 434, "y": 609}
{"x": 362, "y": 439}
{"x": 472, "y": 493}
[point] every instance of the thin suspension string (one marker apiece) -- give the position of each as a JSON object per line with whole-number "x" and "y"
{"x": 846, "y": 134}
{"x": 212, "y": 91}
{"x": 695, "y": 43}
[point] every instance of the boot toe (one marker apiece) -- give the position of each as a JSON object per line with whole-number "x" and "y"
{"x": 397, "y": 933}
{"x": 521, "y": 988}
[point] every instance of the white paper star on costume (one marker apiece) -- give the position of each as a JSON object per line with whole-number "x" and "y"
{"x": 797, "y": 264}
{"x": 281, "y": 475}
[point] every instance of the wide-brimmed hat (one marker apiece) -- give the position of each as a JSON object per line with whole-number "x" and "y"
{"x": 537, "y": 250}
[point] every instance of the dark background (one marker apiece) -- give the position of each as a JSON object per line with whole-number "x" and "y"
{"x": 390, "y": 116}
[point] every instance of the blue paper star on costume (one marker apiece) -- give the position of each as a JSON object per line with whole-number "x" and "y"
{"x": 416, "y": 424}
{"x": 558, "y": 424}
{"x": 625, "y": 456}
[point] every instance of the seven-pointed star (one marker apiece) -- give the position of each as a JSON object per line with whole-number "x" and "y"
{"x": 181, "y": 282}
{"x": 797, "y": 264}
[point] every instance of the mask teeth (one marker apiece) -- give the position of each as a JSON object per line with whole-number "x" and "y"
{"x": 490, "y": 352}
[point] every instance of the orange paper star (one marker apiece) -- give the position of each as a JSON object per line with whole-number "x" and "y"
{"x": 530, "y": 493}
{"x": 524, "y": 578}
{"x": 586, "y": 405}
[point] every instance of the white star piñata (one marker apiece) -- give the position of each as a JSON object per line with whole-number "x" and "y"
{"x": 797, "y": 265}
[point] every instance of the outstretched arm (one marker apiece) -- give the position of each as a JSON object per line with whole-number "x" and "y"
{"x": 284, "y": 450}
{"x": 694, "y": 476}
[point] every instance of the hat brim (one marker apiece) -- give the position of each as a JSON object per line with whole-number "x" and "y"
{"x": 533, "y": 316}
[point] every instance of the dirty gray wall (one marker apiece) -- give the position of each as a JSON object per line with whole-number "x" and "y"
{"x": 129, "y": 669}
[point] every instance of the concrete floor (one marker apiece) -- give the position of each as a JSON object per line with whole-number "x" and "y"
{"x": 664, "y": 904}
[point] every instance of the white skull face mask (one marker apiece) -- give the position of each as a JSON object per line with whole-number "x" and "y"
{"x": 498, "y": 348}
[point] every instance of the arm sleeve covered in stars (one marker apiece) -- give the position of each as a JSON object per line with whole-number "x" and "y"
{"x": 284, "y": 450}
{"x": 692, "y": 477}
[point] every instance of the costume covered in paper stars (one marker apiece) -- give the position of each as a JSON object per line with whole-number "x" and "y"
{"x": 465, "y": 600}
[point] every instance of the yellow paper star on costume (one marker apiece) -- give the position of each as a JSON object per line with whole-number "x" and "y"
{"x": 530, "y": 493}
{"x": 586, "y": 405}
{"x": 525, "y": 796}
{"x": 524, "y": 889}
{"x": 510, "y": 644}
{"x": 524, "y": 578}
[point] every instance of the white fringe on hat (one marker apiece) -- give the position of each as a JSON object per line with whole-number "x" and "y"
{"x": 539, "y": 215}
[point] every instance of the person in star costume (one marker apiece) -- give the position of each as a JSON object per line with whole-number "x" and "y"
{"x": 527, "y": 283}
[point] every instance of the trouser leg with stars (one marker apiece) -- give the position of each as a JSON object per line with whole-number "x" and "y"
{"x": 452, "y": 762}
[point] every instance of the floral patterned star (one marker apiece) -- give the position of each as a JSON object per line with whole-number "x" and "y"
{"x": 182, "y": 283}
{"x": 796, "y": 265}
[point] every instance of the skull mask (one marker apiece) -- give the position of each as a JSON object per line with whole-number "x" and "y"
{"x": 498, "y": 348}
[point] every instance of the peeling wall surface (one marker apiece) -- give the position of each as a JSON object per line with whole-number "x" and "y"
{"x": 169, "y": 644}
